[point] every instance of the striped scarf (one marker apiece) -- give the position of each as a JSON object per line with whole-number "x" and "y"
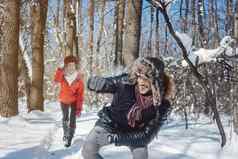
{"x": 142, "y": 102}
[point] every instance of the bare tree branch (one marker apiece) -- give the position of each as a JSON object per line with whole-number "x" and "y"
{"x": 161, "y": 5}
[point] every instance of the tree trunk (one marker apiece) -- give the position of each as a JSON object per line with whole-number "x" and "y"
{"x": 90, "y": 34}
{"x": 9, "y": 47}
{"x": 229, "y": 18}
{"x": 80, "y": 26}
{"x": 185, "y": 29}
{"x": 57, "y": 25}
{"x": 235, "y": 122}
{"x": 235, "y": 109}
{"x": 157, "y": 45}
{"x": 213, "y": 26}
{"x": 235, "y": 114}
{"x": 211, "y": 22}
{"x": 181, "y": 15}
{"x": 76, "y": 50}
{"x": 194, "y": 25}
{"x": 236, "y": 24}
{"x": 166, "y": 39}
{"x": 69, "y": 26}
{"x": 57, "y": 18}
{"x": 132, "y": 32}
{"x": 216, "y": 24}
{"x": 149, "y": 47}
{"x": 100, "y": 33}
{"x": 200, "y": 13}
{"x": 39, "y": 14}
{"x": 119, "y": 20}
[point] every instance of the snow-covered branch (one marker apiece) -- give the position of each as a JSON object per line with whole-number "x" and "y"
{"x": 206, "y": 55}
{"x": 26, "y": 57}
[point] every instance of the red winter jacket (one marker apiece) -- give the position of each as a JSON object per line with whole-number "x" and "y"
{"x": 73, "y": 93}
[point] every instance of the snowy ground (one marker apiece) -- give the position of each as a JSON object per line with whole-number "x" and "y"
{"x": 39, "y": 136}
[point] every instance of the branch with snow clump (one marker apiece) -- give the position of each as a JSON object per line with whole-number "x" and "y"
{"x": 208, "y": 55}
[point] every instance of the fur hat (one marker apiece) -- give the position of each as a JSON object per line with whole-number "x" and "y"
{"x": 70, "y": 59}
{"x": 152, "y": 68}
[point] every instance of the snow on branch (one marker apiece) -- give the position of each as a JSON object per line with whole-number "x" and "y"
{"x": 26, "y": 57}
{"x": 202, "y": 81}
{"x": 1, "y": 6}
{"x": 208, "y": 55}
{"x": 72, "y": 10}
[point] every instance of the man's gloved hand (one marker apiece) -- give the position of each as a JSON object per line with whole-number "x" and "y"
{"x": 96, "y": 83}
{"x": 104, "y": 137}
{"x": 112, "y": 138}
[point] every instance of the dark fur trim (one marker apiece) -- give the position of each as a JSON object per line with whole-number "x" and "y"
{"x": 169, "y": 87}
{"x": 153, "y": 69}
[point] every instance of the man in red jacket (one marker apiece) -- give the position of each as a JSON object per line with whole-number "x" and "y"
{"x": 71, "y": 96}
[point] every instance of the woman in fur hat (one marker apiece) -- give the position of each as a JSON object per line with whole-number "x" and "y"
{"x": 139, "y": 108}
{"x": 70, "y": 97}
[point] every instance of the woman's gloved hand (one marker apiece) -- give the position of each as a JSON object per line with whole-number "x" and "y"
{"x": 78, "y": 114}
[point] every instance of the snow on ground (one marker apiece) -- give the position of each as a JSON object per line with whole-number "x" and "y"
{"x": 39, "y": 136}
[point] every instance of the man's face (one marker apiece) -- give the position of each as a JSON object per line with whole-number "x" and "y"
{"x": 144, "y": 85}
{"x": 70, "y": 68}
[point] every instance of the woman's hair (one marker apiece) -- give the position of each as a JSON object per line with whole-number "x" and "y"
{"x": 70, "y": 59}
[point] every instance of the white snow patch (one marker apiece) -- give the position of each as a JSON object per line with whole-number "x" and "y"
{"x": 38, "y": 135}
{"x": 186, "y": 40}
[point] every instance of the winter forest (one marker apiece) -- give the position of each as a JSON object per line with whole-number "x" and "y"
{"x": 196, "y": 39}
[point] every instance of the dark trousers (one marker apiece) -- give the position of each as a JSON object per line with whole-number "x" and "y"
{"x": 68, "y": 119}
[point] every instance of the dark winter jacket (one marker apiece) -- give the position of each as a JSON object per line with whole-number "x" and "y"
{"x": 114, "y": 118}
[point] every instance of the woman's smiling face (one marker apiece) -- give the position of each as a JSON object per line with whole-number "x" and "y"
{"x": 70, "y": 68}
{"x": 144, "y": 85}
